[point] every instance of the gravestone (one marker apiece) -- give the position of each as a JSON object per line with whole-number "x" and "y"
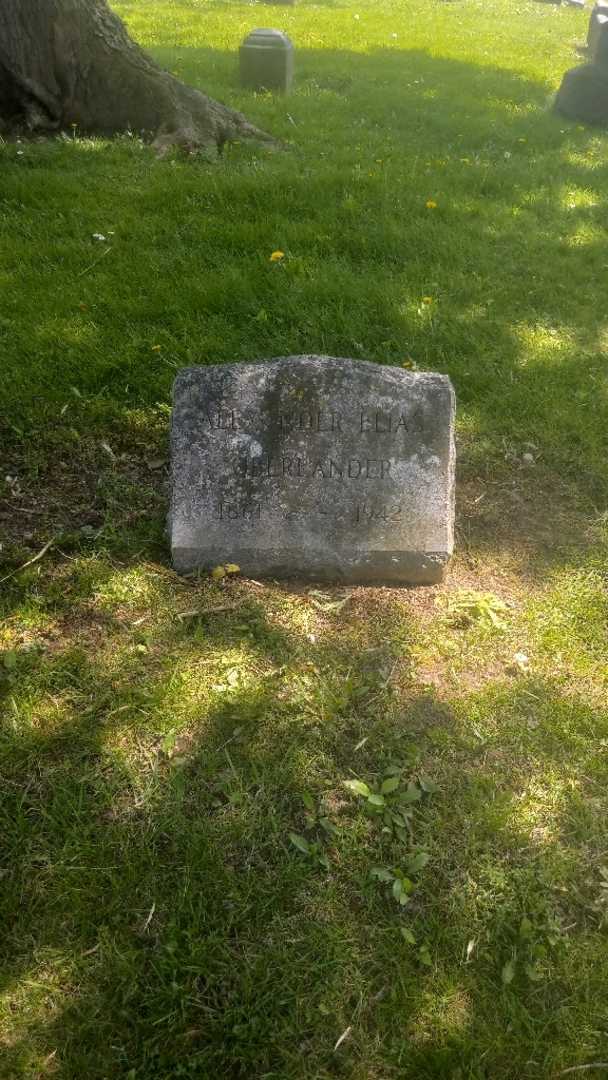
{"x": 266, "y": 60}
{"x": 583, "y": 94}
{"x": 599, "y": 49}
{"x": 313, "y": 467}
{"x": 598, "y": 17}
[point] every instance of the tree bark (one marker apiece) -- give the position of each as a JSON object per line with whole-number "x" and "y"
{"x": 71, "y": 62}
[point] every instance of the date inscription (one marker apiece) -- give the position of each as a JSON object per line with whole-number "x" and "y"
{"x": 368, "y": 512}
{"x": 363, "y": 513}
{"x": 238, "y": 511}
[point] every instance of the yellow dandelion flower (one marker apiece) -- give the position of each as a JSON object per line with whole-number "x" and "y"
{"x": 427, "y": 299}
{"x": 156, "y": 348}
{"x": 277, "y": 256}
{"x": 431, "y": 204}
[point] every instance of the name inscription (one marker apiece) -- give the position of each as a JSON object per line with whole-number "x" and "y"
{"x": 316, "y": 469}
{"x": 289, "y": 466}
{"x": 315, "y": 421}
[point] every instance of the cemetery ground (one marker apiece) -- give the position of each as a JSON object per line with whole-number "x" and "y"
{"x": 191, "y": 885}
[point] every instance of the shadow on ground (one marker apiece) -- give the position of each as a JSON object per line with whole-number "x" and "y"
{"x": 158, "y": 922}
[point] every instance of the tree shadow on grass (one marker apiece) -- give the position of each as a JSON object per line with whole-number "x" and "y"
{"x": 158, "y": 923}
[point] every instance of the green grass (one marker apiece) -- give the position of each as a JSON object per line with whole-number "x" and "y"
{"x": 160, "y": 739}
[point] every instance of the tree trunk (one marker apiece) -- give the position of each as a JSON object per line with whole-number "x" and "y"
{"x": 71, "y": 62}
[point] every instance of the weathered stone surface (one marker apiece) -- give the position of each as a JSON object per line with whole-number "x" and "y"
{"x": 314, "y": 467}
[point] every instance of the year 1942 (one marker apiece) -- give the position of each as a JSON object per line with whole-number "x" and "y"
{"x": 366, "y": 512}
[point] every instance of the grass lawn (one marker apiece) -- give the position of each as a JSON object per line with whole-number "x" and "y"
{"x": 188, "y": 885}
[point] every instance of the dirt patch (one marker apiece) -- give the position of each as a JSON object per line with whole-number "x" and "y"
{"x": 83, "y": 493}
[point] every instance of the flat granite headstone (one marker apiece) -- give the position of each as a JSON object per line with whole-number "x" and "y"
{"x": 313, "y": 467}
